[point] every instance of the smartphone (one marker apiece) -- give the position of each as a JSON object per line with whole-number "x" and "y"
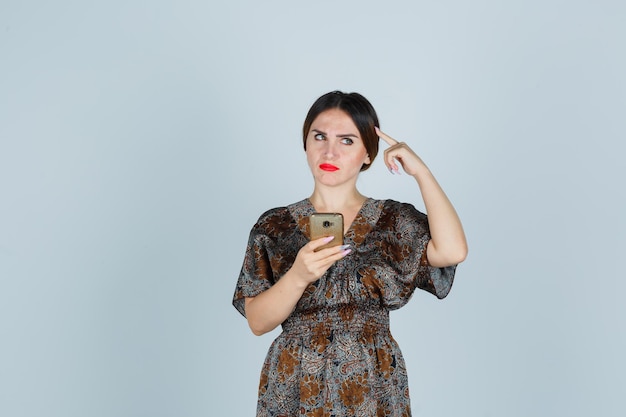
{"x": 327, "y": 224}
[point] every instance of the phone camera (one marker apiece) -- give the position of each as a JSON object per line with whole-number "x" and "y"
{"x": 326, "y": 223}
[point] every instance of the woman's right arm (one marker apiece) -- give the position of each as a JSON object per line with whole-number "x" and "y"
{"x": 271, "y": 307}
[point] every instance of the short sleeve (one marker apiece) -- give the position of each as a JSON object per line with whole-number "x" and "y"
{"x": 414, "y": 234}
{"x": 256, "y": 273}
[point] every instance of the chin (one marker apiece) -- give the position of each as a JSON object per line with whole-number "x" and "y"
{"x": 323, "y": 178}
{"x": 331, "y": 182}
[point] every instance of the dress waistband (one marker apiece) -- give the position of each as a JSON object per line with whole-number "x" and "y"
{"x": 359, "y": 319}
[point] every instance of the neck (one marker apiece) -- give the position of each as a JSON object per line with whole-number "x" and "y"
{"x": 336, "y": 200}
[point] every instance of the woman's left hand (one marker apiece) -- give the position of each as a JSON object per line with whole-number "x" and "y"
{"x": 400, "y": 152}
{"x": 448, "y": 245}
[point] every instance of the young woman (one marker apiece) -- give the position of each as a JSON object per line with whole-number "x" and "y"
{"x": 336, "y": 356}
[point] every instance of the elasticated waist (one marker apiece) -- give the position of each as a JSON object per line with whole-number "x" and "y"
{"x": 353, "y": 319}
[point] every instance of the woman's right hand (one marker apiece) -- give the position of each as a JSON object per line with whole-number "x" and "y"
{"x": 270, "y": 308}
{"x": 310, "y": 265}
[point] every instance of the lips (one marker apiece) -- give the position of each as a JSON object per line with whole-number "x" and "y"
{"x": 328, "y": 167}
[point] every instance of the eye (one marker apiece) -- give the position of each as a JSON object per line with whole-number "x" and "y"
{"x": 319, "y": 136}
{"x": 347, "y": 141}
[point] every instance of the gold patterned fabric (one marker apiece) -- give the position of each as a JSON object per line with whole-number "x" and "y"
{"x": 336, "y": 356}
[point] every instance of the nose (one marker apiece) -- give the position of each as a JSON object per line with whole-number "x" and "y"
{"x": 330, "y": 149}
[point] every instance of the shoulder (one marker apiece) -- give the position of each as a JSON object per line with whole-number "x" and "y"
{"x": 272, "y": 217}
{"x": 273, "y": 213}
{"x": 401, "y": 210}
{"x": 277, "y": 221}
{"x": 406, "y": 222}
{"x": 403, "y": 218}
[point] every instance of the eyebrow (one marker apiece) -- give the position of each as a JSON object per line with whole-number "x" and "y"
{"x": 345, "y": 135}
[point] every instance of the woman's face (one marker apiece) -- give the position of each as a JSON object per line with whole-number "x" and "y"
{"x": 334, "y": 148}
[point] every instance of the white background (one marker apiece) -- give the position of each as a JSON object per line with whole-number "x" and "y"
{"x": 140, "y": 141}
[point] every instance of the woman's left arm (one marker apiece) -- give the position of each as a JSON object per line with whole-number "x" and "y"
{"x": 448, "y": 245}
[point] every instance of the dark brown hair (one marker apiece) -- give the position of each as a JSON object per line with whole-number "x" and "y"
{"x": 360, "y": 111}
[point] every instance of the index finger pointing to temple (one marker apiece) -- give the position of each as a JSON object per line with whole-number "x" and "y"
{"x": 390, "y": 141}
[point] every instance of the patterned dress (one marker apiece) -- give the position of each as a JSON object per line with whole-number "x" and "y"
{"x": 336, "y": 356}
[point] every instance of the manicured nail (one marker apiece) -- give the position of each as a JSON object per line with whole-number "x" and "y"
{"x": 347, "y": 251}
{"x": 328, "y": 239}
{"x": 344, "y": 247}
{"x": 391, "y": 170}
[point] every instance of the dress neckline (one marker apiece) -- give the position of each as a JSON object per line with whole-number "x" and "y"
{"x": 363, "y": 223}
{"x": 358, "y": 217}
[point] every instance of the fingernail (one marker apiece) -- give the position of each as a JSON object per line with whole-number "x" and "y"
{"x": 344, "y": 247}
{"x": 328, "y": 238}
{"x": 391, "y": 170}
{"x": 347, "y": 251}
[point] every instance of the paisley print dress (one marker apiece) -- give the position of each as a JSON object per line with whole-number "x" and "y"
{"x": 335, "y": 356}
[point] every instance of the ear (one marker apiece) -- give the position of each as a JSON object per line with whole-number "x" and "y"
{"x": 368, "y": 160}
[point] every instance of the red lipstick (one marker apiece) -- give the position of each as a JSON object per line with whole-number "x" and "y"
{"x": 328, "y": 167}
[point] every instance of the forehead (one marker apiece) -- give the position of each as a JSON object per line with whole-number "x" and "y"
{"x": 335, "y": 119}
